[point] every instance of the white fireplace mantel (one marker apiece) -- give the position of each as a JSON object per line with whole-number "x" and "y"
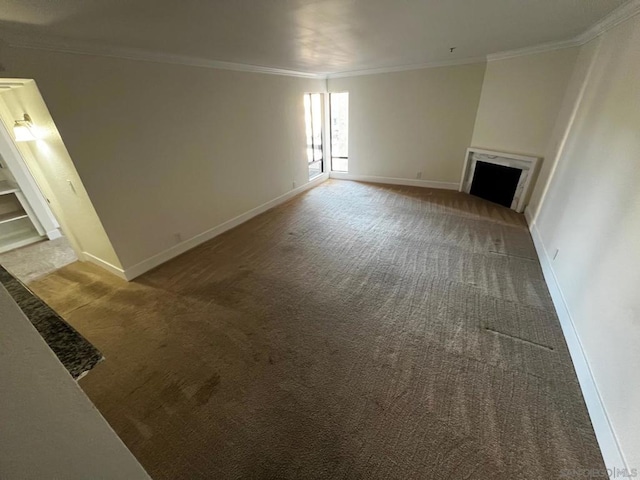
{"x": 527, "y": 164}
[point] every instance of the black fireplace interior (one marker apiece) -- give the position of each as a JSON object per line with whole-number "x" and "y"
{"x": 495, "y": 183}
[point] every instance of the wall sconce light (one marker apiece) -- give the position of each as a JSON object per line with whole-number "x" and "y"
{"x": 23, "y": 130}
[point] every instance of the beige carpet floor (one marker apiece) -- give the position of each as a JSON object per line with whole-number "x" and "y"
{"x": 357, "y": 331}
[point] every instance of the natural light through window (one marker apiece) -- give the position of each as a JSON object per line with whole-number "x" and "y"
{"x": 340, "y": 132}
{"x": 313, "y": 122}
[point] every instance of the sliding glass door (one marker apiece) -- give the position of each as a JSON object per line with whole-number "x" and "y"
{"x": 339, "y": 131}
{"x": 313, "y": 123}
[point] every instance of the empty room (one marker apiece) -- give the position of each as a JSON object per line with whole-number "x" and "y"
{"x": 320, "y": 239}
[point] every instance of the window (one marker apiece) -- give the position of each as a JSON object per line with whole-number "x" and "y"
{"x": 340, "y": 131}
{"x": 313, "y": 121}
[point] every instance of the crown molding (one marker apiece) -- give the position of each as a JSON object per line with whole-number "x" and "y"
{"x": 532, "y": 50}
{"x": 13, "y": 83}
{"x": 622, "y": 13}
{"x": 616, "y": 17}
{"x": 20, "y": 40}
{"x": 404, "y": 68}
{"x": 84, "y": 48}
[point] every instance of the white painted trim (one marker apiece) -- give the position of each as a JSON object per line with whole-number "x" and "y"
{"x": 528, "y": 216}
{"x": 53, "y": 234}
{"x": 106, "y": 265}
{"x": 13, "y": 83}
{"x": 616, "y": 17}
{"x": 621, "y": 14}
{"x": 607, "y": 440}
{"x": 533, "y": 50}
{"x": 395, "y": 181}
{"x": 528, "y": 165}
{"x": 86, "y": 48}
{"x": 34, "y": 201}
{"x": 404, "y": 68}
{"x": 20, "y": 195}
{"x": 21, "y": 243}
{"x": 158, "y": 259}
{"x": 499, "y": 153}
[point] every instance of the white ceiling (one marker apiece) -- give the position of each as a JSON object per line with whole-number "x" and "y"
{"x": 318, "y": 36}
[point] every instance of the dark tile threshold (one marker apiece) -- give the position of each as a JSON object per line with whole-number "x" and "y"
{"x": 71, "y": 348}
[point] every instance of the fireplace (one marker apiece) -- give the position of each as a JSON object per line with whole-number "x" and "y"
{"x": 503, "y": 178}
{"x": 495, "y": 183}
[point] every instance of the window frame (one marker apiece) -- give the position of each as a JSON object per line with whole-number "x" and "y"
{"x": 331, "y": 134}
{"x": 309, "y": 117}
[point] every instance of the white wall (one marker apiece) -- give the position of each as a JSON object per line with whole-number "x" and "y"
{"x": 414, "y": 121}
{"x": 591, "y": 214}
{"x": 52, "y": 168}
{"x": 564, "y": 121}
{"x": 50, "y": 429}
{"x": 519, "y": 105}
{"x": 167, "y": 150}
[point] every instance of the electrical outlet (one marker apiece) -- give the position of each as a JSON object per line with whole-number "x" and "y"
{"x": 419, "y": 175}
{"x": 177, "y": 237}
{"x": 73, "y": 189}
{"x": 295, "y": 184}
{"x": 555, "y": 255}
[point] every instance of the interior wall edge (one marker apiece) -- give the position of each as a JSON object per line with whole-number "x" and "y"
{"x": 104, "y": 264}
{"x": 129, "y": 273}
{"x": 529, "y": 216}
{"x": 615, "y": 18}
{"x": 567, "y": 127}
{"x": 605, "y": 434}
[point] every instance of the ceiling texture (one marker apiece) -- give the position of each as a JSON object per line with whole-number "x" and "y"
{"x": 313, "y": 36}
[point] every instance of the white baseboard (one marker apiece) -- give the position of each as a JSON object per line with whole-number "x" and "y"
{"x": 528, "y": 216}
{"x": 395, "y": 181}
{"x": 609, "y": 446}
{"x": 53, "y": 234}
{"x": 106, "y": 265}
{"x": 138, "y": 269}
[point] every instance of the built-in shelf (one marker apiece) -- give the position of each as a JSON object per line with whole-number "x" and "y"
{"x": 11, "y": 216}
{"x": 19, "y": 223}
{"x": 19, "y": 238}
{"x": 7, "y": 187}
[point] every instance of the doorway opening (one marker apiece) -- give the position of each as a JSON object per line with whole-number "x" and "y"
{"x": 46, "y": 218}
{"x": 339, "y": 106}
{"x": 27, "y": 249}
{"x": 31, "y": 240}
{"x": 313, "y": 124}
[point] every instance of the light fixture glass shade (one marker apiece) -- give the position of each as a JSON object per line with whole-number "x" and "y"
{"x": 23, "y": 130}
{"x": 23, "y": 133}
